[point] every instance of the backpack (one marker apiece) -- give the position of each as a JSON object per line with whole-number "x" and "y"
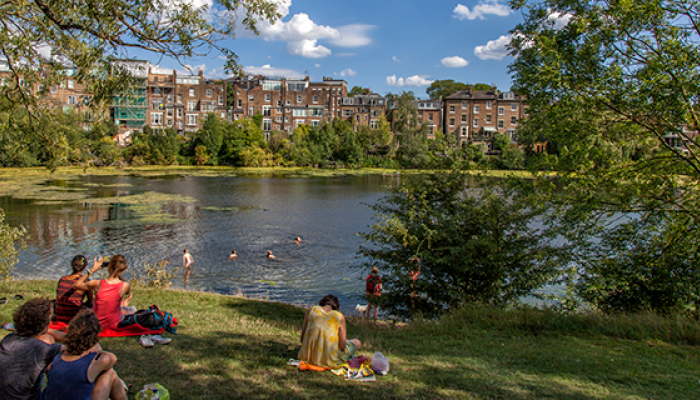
{"x": 152, "y": 318}
{"x": 374, "y": 285}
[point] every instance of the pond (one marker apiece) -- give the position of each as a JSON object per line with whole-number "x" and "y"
{"x": 148, "y": 219}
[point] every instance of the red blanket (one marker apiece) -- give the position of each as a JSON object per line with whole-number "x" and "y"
{"x": 131, "y": 330}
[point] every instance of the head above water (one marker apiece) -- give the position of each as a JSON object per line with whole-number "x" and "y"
{"x": 330, "y": 300}
{"x": 117, "y": 265}
{"x": 185, "y": 251}
{"x": 79, "y": 263}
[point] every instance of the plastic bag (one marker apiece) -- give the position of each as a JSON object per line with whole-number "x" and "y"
{"x": 380, "y": 364}
{"x": 153, "y": 391}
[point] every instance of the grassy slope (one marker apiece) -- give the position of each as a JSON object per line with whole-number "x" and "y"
{"x": 230, "y": 347}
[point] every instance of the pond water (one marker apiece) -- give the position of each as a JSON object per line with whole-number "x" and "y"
{"x": 210, "y": 216}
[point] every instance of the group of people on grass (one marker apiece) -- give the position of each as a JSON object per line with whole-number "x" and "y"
{"x": 77, "y": 368}
{"x": 75, "y": 365}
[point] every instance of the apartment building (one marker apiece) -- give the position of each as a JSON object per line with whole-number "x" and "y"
{"x": 362, "y": 109}
{"x": 68, "y": 94}
{"x": 163, "y": 99}
{"x": 285, "y": 103}
{"x": 476, "y": 116}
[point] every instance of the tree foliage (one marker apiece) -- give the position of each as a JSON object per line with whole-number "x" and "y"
{"x": 614, "y": 87}
{"x": 475, "y": 241}
{"x": 10, "y": 238}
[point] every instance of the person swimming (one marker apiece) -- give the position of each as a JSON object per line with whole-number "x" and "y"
{"x": 233, "y": 255}
{"x": 297, "y": 240}
{"x": 270, "y": 255}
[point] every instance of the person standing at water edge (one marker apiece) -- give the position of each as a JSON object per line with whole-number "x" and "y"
{"x": 373, "y": 291}
{"x": 187, "y": 260}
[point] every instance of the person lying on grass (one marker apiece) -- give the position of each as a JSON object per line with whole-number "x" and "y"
{"x": 83, "y": 371}
{"x": 26, "y": 353}
{"x": 324, "y": 335}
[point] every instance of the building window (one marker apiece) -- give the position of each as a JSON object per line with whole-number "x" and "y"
{"x": 40, "y": 88}
{"x": 464, "y": 118}
{"x": 430, "y": 117}
{"x": 500, "y": 110}
{"x": 266, "y": 110}
{"x": 488, "y": 119}
{"x": 314, "y": 123}
{"x": 71, "y": 84}
{"x": 513, "y": 120}
{"x": 373, "y": 123}
{"x": 488, "y": 105}
{"x": 465, "y": 105}
{"x": 170, "y": 98}
{"x": 315, "y": 99}
{"x": 71, "y": 100}
{"x": 251, "y": 111}
{"x": 155, "y": 79}
{"x": 54, "y": 89}
{"x": 191, "y": 119}
{"x": 191, "y": 105}
{"x": 87, "y": 115}
{"x": 157, "y": 119}
{"x": 476, "y": 121}
{"x": 267, "y": 124}
{"x": 500, "y": 123}
{"x": 299, "y": 112}
{"x": 464, "y": 131}
{"x": 476, "y": 109}
{"x": 452, "y": 122}
{"x": 165, "y": 80}
{"x": 513, "y": 106}
{"x": 169, "y": 112}
{"x": 240, "y": 103}
{"x": 452, "y": 109}
{"x": 267, "y": 97}
{"x": 210, "y": 93}
{"x": 179, "y": 99}
{"x": 221, "y": 100}
{"x": 279, "y": 103}
{"x": 251, "y": 97}
{"x": 278, "y": 118}
{"x": 170, "y": 122}
{"x": 179, "y": 112}
{"x": 299, "y": 99}
{"x": 191, "y": 92}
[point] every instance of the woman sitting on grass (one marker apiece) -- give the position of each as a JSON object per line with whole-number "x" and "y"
{"x": 69, "y": 300}
{"x": 112, "y": 293}
{"x": 324, "y": 335}
{"x": 83, "y": 371}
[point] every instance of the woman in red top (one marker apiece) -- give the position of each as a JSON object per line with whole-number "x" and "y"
{"x": 110, "y": 292}
{"x": 68, "y": 300}
{"x": 373, "y": 291}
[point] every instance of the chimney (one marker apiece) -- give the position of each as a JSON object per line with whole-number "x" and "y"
{"x": 470, "y": 90}
{"x": 495, "y": 89}
{"x": 201, "y": 73}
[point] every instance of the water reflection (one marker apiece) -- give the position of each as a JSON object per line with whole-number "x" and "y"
{"x": 251, "y": 215}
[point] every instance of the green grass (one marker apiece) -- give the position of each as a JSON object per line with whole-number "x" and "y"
{"x": 232, "y": 347}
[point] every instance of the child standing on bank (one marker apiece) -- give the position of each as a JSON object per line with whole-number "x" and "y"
{"x": 373, "y": 291}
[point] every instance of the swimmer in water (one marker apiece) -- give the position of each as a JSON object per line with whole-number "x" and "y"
{"x": 297, "y": 240}
{"x": 270, "y": 255}
{"x": 233, "y": 255}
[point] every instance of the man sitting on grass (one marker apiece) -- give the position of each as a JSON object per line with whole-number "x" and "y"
{"x": 25, "y": 354}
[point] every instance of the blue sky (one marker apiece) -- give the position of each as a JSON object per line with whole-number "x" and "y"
{"x": 386, "y": 45}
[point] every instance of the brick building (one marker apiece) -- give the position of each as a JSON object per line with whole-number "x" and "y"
{"x": 362, "y": 109}
{"x": 475, "y": 116}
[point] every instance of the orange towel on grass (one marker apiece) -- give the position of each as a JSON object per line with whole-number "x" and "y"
{"x": 304, "y": 366}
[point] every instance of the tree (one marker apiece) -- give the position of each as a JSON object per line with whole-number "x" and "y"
{"x": 441, "y": 88}
{"x": 613, "y": 85}
{"x": 9, "y": 238}
{"x": 475, "y": 246}
{"x": 211, "y": 136}
{"x": 85, "y": 35}
{"x": 357, "y": 90}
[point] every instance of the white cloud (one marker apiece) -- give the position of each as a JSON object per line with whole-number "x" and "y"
{"x": 194, "y": 69}
{"x": 272, "y": 72}
{"x": 317, "y": 65}
{"x": 414, "y": 80}
{"x": 308, "y": 49}
{"x": 396, "y": 59}
{"x": 347, "y": 72}
{"x": 488, "y": 7}
{"x": 454, "y": 62}
{"x": 300, "y": 27}
{"x": 494, "y": 49}
{"x": 353, "y": 35}
{"x": 558, "y": 20}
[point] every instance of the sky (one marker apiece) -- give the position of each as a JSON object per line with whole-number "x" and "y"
{"x": 388, "y": 46}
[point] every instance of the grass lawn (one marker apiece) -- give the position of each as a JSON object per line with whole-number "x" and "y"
{"x": 232, "y": 347}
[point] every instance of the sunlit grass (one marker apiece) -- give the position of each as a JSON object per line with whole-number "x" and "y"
{"x": 232, "y": 347}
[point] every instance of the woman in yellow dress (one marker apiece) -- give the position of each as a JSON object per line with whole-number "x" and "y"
{"x": 324, "y": 335}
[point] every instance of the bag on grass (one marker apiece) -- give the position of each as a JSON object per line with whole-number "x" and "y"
{"x": 151, "y": 318}
{"x": 380, "y": 364}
